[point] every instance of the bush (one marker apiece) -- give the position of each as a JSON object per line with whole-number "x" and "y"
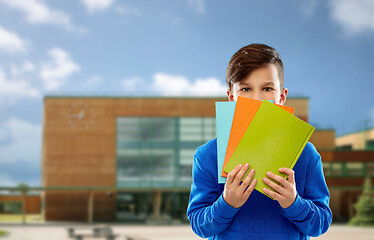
{"x": 364, "y": 207}
{"x": 3, "y": 233}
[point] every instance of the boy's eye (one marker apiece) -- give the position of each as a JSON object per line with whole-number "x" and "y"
{"x": 246, "y": 89}
{"x": 268, "y": 89}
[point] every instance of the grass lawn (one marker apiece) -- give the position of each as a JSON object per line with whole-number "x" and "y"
{"x": 13, "y": 218}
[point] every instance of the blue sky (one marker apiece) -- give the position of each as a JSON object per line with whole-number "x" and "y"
{"x": 174, "y": 47}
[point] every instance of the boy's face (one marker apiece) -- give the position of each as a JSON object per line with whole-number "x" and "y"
{"x": 262, "y": 83}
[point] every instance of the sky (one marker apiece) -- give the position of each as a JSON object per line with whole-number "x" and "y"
{"x": 174, "y": 48}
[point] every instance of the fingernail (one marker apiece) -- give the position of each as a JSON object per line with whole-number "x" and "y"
{"x": 252, "y": 171}
{"x": 240, "y": 165}
{"x": 246, "y": 165}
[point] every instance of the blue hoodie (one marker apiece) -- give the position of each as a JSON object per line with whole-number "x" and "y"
{"x": 260, "y": 217}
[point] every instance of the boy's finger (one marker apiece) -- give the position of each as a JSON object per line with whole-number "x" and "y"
{"x": 290, "y": 173}
{"x": 272, "y": 194}
{"x": 277, "y": 178}
{"x": 276, "y": 187}
{"x": 247, "y": 180}
{"x": 239, "y": 176}
{"x": 231, "y": 175}
{"x": 250, "y": 188}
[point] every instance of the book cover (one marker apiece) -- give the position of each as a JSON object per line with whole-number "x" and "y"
{"x": 245, "y": 110}
{"x": 224, "y": 117}
{"x": 274, "y": 139}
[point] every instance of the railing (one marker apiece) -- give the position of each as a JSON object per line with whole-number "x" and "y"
{"x": 90, "y": 190}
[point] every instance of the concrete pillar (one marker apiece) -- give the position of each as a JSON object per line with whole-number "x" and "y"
{"x": 90, "y": 206}
{"x": 156, "y": 204}
{"x": 23, "y": 206}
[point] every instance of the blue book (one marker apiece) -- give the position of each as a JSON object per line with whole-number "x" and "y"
{"x": 224, "y": 116}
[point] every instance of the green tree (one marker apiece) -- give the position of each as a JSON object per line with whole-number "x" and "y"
{"x": 20, "y": 186}
{"x": 364, "y": 207}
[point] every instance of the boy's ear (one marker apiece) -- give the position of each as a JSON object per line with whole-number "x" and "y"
{"x": 230, "y": 96}
{"x": 283, "y": 96}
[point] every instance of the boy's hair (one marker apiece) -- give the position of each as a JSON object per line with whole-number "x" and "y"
{"x": 250, "y": 58}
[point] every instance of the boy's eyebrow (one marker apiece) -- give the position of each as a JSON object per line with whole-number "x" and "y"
{"x": 269, "y": 83}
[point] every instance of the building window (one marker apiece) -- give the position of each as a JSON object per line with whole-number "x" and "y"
{"x": 348, "y": 169}
{"x": 11, "y": 207}
{"x": 370, "y": 145}
{"x": 336, "y": 169}
{"x": 355, "y": 169}
{"x": 197, "y": 129}
{"x": 157, "y": 152}
{"x": 326, "y": 169}
{"x": 370, "y": 169}
{"x": 345, "y": 147}
{"x": 186, "y": 160}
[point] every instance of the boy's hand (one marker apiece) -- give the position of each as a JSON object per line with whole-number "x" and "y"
{"x": 285, "y": 192}
{"x": 236, "y": 194}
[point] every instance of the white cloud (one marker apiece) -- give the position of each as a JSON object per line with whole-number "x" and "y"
{"x": 19, "y": 71}
{"x": 28, "y": 66}
{"x": 209, "y": 86}
{"x": 97, "y": 5}
{"x": 197, "y": 5}
{"x": 178, "y": 85}
{"x": 14, "y": 88}
{"x": 24, "y": 142}
{"x": 131, "y": 84}
{"x": 37, "y": 12}
{"x": 355, "y": 16}
{"x": 11, "y": 42}
{"x": 54, "y": 73}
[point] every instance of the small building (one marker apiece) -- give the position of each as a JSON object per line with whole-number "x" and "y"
{"x": 361, "y": 140}
{"x": 13, "y": 204}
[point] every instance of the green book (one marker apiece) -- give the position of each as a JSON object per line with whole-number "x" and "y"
{"x": 274, "y": 139}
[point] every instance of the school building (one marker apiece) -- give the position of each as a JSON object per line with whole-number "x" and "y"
{"x": 135, "y": 156}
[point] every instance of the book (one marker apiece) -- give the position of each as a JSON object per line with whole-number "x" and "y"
{"x": 224, "y": 117}
{"x": 245, "y": 110}
{"x": 274, "y": 139}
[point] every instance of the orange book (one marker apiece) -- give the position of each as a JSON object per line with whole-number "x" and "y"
{"x": 245, "y": 110}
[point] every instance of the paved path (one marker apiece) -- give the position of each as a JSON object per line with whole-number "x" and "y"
{"x": 182, "y": 232}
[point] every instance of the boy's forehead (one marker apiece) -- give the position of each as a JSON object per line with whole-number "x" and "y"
{"x": 267, "y": 75}
{"x": 259, "y": 81}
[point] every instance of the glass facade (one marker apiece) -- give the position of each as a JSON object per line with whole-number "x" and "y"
{"x": 348, "y": 169}
{"x": 11, "y": 207}
{"x": 157, "y": 152}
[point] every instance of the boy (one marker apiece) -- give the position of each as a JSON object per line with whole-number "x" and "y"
{"x": 233, "y": 210}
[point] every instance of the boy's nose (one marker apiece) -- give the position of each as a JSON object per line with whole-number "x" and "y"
{"x": 257, "y": 96}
